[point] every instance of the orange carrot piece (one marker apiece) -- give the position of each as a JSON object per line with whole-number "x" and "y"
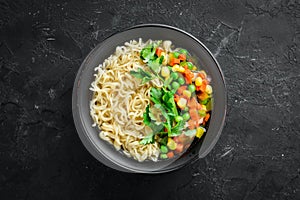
{"x": 176, "y": 97}
{"x": 181, "y": 89}
{"x": 194, "y": 114}
{"x": 207, "y": 116}
{"x": 170, "y": 154}
{"x": 182, "y": 57}
{"x": 192, "y": 103}
{"x": 176, "y": 139}
{"x": 174, "y": 61}
{"x": 179, "y": 148}
{"x": 188, "y": 75}
{"x": 158, "y": 51}
{"x": 191, "y": 124}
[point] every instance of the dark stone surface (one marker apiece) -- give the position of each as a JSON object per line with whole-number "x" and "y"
{"x": 42, "y": 44}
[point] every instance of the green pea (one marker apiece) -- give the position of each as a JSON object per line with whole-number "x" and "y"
{"x": 182, "y": 64}
{"x": 175, "y": 85}
{"x": 186, "y": 116}
{"x": 192, "y": 88}
{"x": 204, "y": 101}
{"x": 184, "y": 51}
{"x": 163, "y": 149}
{"x": 163, "y": 156}
{"x": 174, "y": 75}
{"x": 186, "y": 109}
{"x": 178, "y": 118}
{"x": 181, "y": 81}
{"x": 176, "y": 54}
{"x": 190, "y": 65}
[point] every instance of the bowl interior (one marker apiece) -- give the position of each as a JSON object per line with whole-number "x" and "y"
{"x": 82, "y": 96}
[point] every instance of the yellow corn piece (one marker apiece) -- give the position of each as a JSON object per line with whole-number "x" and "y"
{"x": 208, "y": 89}
{"x": 199, "y": 132}
{"x": 171, "y": 144}
{"x": 177, "y": 68}
{"x": 198, "y": 81}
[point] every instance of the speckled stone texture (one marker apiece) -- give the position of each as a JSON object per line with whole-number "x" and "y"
{"x": 42, "y": 44}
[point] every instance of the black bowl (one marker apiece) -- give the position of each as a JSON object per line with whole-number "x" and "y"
{"x": 104, "y": 151}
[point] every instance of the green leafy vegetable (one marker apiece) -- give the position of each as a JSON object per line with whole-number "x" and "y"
{"x": 168, "y": 99}
{"x": 168, "y": 81}
{"x": 155, "y": 64}
{"x": 147, "y": 140}
{"x": 146, "y": 116}
{"x": 156, "y": 93}
{"x": 177, "y": 129}
{"x": 141, "y": 74}
{"x": 156, "y": 128}
{"x": 148, "y": 52}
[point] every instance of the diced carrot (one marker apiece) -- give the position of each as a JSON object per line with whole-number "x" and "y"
{"x": 158, "y": 51}
{"x": 179, "y": 148}
{"x": 203, "y": 87}
{"x": 176, "y": 139}
{"x": 192, "y": 103}
{"x": 207, "y": 116}
{"x": 183, "y": 139}
{"x": 191, "y": 124}
{"x": 201, "y": 75}
{"x": 204, "y": 81}
{"x": 176, "y": 97}
{"x": 199, "y": 106}
{"x": 170, "y": 154}
{"x": 198, "y": 122}
{"x": 181, "y": 89}
{"x": 174, "y": 61}
{"x": 194, "y": 114}
{"x": 202, "y": 96}
{"x": 188, "y": 75}
{"x": 182, "y": 57}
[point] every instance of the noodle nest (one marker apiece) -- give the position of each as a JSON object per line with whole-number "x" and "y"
{"x": 119, "y": 101}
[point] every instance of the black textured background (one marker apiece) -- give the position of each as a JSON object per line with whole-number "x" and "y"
{"x": 42, "y": 44}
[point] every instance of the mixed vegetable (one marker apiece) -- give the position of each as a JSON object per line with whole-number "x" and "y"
{"x": 180, "y": 109}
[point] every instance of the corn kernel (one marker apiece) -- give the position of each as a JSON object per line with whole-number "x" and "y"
{"x": 171, "y": 144}
{"x": 175, "y": 68}
{"x": 194, "y": 68}
{"x": 203, "y": 107}
{"x": 181, "y": 69}
{"x": 208, "y": 89}
{"x": 199, "y": 132}
{"x": 198, "y": 81}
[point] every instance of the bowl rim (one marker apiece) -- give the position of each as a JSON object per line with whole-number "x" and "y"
{"x": 86, "y": 139}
